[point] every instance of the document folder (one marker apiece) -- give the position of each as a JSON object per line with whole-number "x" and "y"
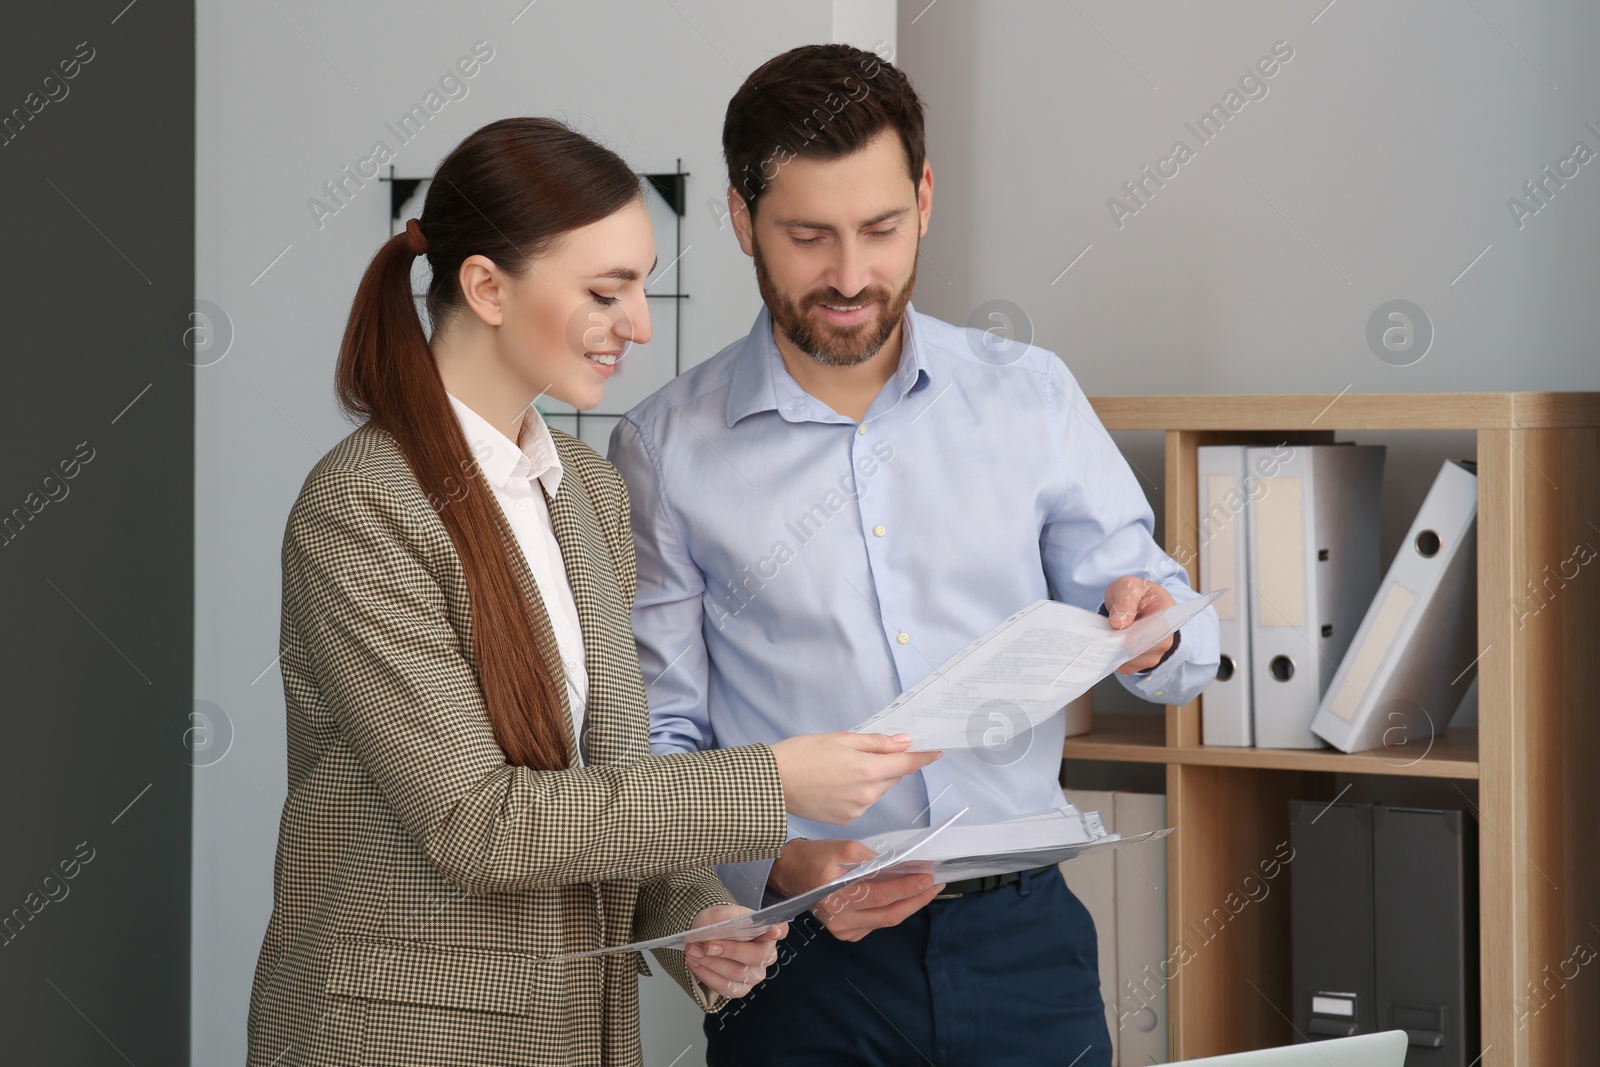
{"x": 1224, "y": 483}
{"x": 1383, "y": 909}
{"x": 1415, "y": 654}
{"x": 1142, "y": 951}
{"x": 1331, "y": 919}
{"x": 1093, "y": 880}
{"x": 1425, "y": 929}
{"x": 1314, "y": 567}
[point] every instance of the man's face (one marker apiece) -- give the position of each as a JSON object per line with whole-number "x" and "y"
{"x": 835, "y": 247}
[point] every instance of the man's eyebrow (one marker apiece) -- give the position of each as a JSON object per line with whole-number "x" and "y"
{"x": 626, "y": 274}
{"x": 806, "y": 224}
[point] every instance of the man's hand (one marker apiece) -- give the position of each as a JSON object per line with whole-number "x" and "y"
{"x": 856, "y": 910}
{"x": 727, "y": 966}
{"x": 1131, "y": 598}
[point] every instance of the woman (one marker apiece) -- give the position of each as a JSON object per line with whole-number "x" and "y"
{"x": 470, "y": 790}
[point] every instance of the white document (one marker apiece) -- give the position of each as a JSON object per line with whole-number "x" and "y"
{"x": 745, "y": 927}
{"x": 976, "y": 851}
{"x": 1021, "y": 673}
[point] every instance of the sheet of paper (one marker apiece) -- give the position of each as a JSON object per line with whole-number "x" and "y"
{"x": 956, "y": 869}
{"x": 745, "y": 927}
{"x": 1021, "y": 673}
{"x": 1020, "y": 844}
{"x": 1049, "y": 829}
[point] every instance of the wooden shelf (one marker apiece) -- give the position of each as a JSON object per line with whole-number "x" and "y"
{"x": 1126, "y": 737}
{"x": 1453, "y": 754}
{"x": 1351, "y": 411}
{"x": 1534, "y": 754}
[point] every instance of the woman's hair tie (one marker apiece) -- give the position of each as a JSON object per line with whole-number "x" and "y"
{"x": 414, "y": 238}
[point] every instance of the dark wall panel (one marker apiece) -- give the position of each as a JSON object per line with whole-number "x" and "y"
{"x": 96, "y": 531}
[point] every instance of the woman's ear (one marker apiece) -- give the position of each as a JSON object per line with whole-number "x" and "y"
{"x": 483, "y": 288}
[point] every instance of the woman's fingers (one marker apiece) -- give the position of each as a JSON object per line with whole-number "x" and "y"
{"x": 728, "y": 976}
{"x": 733, "y": 968}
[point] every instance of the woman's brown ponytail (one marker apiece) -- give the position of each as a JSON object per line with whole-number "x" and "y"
{"x": 508, "y": 192}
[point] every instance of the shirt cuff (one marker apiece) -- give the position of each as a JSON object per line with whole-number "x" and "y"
{"x": 746, "y": 882}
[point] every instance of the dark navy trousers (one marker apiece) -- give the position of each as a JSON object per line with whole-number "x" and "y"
{"x": 997, "y": 978}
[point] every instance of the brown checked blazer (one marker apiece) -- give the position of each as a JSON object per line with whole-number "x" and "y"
{"x": 422, "y": 884}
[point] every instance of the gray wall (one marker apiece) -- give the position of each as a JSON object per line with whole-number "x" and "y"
{"x": 96, "y": 520}
{"x": 290, "y": 93}
{"x": 1375, "y": 165}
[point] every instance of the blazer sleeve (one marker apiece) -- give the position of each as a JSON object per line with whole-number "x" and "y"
{"x": 405, "y": 697}
{"x": 667, "y": 905}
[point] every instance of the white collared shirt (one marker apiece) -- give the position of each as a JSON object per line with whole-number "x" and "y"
{"x": 516, "y": 471}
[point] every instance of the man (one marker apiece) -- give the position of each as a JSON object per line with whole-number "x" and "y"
{"x": 827, "y": 510}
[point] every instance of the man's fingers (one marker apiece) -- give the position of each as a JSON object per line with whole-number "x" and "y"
{"x": 866, "y": 896}
{"x": 856, "y": 924}
{"x": 850, "y": 851}
{"x": 893, "y": 890}
{"x": 1122, "y": 600}
{"x": 900, "y": 910}
{"x": 1156, "y": 597}
{"x": 1131, "y": 597}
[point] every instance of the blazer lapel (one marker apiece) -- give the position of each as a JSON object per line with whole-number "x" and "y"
{"x": 591, "y": 574}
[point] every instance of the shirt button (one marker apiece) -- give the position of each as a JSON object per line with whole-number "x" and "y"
{"x": 862, "y": 429}
{"x": 522, "y": 505}
{"x": 878, "y": 530}
{"x": 904, "y": 638}
{"x": 1158, "y": 692}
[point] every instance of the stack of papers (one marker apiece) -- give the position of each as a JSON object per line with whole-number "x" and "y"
{"x": 748, "y": 926}
{"x": 979, "y": 850}
{"x": 1021, "y": 673}
{"x": 945, "y": 852}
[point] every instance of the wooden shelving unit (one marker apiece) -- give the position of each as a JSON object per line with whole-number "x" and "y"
{"x": 1530, "y": 772}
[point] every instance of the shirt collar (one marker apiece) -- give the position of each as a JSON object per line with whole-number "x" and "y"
{"x": 759, "y": 375}
{"x": 534, "y": 456}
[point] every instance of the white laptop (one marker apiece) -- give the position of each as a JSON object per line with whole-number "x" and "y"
{"x": 1386, "y": 1049}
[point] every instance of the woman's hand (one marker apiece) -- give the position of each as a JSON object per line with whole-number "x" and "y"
{"x": 729, "y": 966}
{"x": 835, "y": 777}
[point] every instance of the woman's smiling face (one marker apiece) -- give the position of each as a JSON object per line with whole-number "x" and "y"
{"x": 564, "y": 324}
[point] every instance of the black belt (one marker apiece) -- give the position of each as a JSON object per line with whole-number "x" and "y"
{"x": 986, "y": 883}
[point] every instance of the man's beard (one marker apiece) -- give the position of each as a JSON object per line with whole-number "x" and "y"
{"x": 834, "y": 346}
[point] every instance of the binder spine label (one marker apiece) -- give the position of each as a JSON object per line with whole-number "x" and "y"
{"x": 1221, "y": 556}
{"x": 1280, "y": 554}
{"x": 1397, "y": 602}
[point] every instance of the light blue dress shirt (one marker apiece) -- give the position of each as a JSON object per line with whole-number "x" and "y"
{"x": 798, "y": 571}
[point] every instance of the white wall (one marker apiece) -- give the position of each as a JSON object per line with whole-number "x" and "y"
{"x": 289, "y": 93}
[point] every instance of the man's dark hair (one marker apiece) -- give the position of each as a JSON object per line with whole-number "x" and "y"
{"x": 818, "y": 101}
